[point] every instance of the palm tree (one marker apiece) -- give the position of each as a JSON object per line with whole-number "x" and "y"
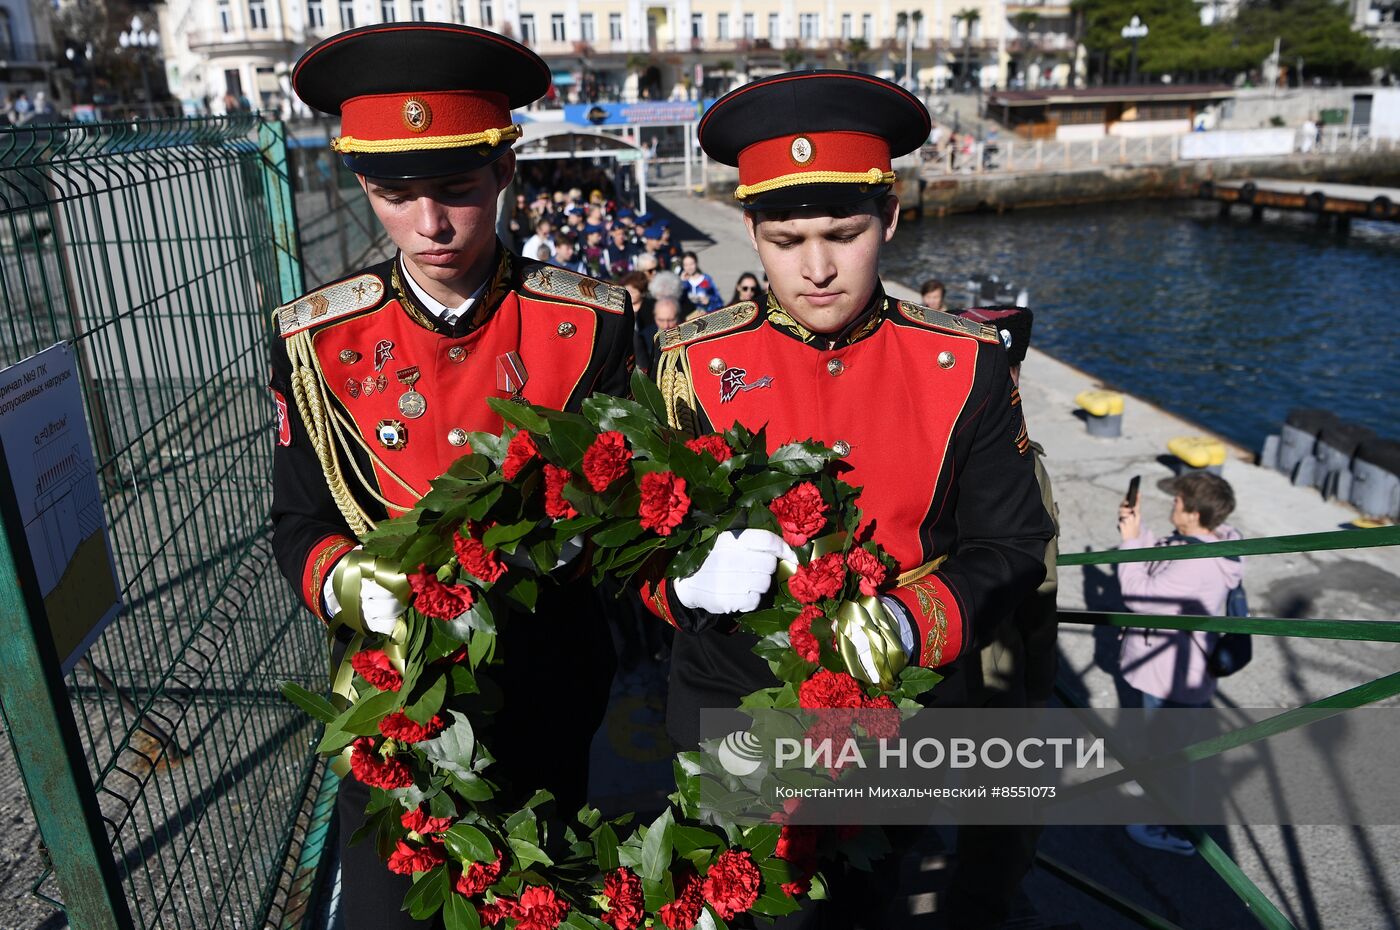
{"x": 968, "y": 16}
{"x": 1024, "y": 22}
{"x": 855, "y": 51}
{"x": 793, "y": 56}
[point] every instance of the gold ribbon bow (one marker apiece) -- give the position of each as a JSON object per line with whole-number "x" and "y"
{"x": 863, "y": 619}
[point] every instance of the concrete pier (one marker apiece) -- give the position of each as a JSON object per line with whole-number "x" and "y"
{"x": 1319, "y": 876}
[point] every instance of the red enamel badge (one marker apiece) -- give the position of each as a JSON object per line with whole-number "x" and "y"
{"x": 284, "y": 425}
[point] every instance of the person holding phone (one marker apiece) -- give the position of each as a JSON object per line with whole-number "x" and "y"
{"x": 1169, "y": 668}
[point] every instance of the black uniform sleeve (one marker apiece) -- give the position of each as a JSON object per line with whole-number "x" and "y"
{"x": 308, "y": 532}
{"x": 1002, "y": 529}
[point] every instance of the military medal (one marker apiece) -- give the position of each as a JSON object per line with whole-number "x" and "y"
{"x": 411, "y": 403}
{"x": 732, "y": 382}
{"x": 383, "y": 352}
{"x": 352, "y": 387}
{"x": 381, "y": 383}
{"x": 511, "y": 376}
{"x": 368, "y": 385}
{"x": 392, "y": 434}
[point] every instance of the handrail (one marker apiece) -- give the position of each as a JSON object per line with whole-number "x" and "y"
{"x": 1373, "y": 537}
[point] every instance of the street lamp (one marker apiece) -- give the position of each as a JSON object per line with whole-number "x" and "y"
{"x": 1135, "y": 31}
{"x": 142, "y": 41}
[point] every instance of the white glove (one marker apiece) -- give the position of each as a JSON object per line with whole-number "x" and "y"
{"x": 737, "y": 572}
{"x": 379, "y": 608}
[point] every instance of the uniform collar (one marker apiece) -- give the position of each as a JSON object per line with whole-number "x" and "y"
{"x": 865, "y": 323}
{"x": 453, "y": 321}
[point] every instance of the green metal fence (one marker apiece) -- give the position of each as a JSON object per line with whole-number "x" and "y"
{"x": 172, "y": 784}
{"x": 1264, "y": 910}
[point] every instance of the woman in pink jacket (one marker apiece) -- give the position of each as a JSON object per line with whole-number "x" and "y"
{"x": 1168, "y": 667}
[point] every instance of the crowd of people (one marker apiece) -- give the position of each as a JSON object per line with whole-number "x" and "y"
{"x": 574, "y": 217}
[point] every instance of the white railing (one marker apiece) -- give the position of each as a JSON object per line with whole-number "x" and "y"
{"x": 1009, "y": 154}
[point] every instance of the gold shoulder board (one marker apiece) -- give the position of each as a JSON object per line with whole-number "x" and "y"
{"x": 948, "y": 323}
{"x": 329, "y": 303}
{"x": 549, "y": 281}
{"x": 722, "y": 320}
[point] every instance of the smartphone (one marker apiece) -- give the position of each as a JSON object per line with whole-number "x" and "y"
{"x": 1132, "y": 499}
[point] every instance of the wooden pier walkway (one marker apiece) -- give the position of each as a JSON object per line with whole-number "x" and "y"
{"x": 1343, "y": 201}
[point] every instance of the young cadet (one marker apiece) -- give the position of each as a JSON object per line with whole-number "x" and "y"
{"x": 380, "y": 376}
{"x": 918, "y": 403}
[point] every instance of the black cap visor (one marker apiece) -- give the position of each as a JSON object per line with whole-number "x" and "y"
{"x": 801, "y": 196}
{"x": 430, "y": 163}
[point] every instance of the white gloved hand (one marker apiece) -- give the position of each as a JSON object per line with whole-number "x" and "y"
{"x": 737, "y": 572}
{"x": 379, "y": 608}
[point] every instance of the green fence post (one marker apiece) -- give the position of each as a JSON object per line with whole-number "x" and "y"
{"x": 281, "y": 207}
{"x": 44, "y": 734}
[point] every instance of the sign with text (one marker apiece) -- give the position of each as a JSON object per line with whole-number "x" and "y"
{"x": 51, "y": 473}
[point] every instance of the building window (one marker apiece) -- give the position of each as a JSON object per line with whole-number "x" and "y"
{"x": 225, "y": 16}
{"x": 347, "y": 14}
{"x": 845, "y": 25}
{"x": 585, "y": 27}
{"x": 775, "y": 30}
{"x": 722, "y": 25}
{"x": 488, "y": 14}
{"x": 315, "y": 15}
{"x": 418, "y": 10}
{"x": 386, "y": 11}
{"x": 257, "y": 14}
{"x": 527, "y": 28}
{"x": 809, "y": 26}
{"x": 749, "y": 28}
{"x": 697, "y": 25}
{"x": 867, "y": 26}
{"x": 615, "y": 27}
{"x": 556, "y": 26}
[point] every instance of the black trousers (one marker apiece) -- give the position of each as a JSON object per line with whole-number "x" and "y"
{"x": 556, "y": 674}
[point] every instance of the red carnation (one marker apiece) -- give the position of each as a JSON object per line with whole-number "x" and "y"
{"x": 521, "y": 451}
{"x": 377, "y": 772}
{"x": 606, "y": 460}
{"x": 418, "y": 821}
{"x": 684, "y": 912}
{"x": 555, "y": 504}
{"x": 827, "y": 689}
{"x": 476, "y": 559}
{"x": 435, "y": 599}
{"x": 801, "y": 513}
{"x": 478, "y": 876}
{"x": 731, "y": 886}
{"x": 539, "y": 908}
{"x": 405, "y": 860}
{"x": 664, "y": 502}
{"x": 399, "y": 726}
{"x": 712, "y": 443}
{"x": 493, "y": 912}
{"x": 819, "y": 578}
{"x": 871, "y": 571}
{"x": 879, "y": 718}
{"x": 373, "y": 666}
{"x": 800, "y": 634}
{"x": 626, "y": 902}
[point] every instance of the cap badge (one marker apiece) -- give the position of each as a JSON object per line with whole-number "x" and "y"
{"x": 802, "y": 150}
{"x": 416, "y": 114}
{"x": 732, "y": 382}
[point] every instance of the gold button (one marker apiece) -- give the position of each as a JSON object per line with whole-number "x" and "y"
{"x": 841, "y": 447}
{"x": 567, "y": 329}
{"x": 717, "y": 366}
{"x": 946, "y": 359}
{"x": 458, "y": 437}
{"x": 835, "y": 367}
{"x": 349, "y": 356}
{"x": 456, "y": 353}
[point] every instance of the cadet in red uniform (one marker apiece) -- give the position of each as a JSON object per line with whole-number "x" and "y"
{"x": 380, "y": 376}
{"x": 918, "y": 403}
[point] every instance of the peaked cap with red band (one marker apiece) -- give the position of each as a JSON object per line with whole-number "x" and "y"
{"x": 420, "y": 100}
{"x": 813, "y": 138}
